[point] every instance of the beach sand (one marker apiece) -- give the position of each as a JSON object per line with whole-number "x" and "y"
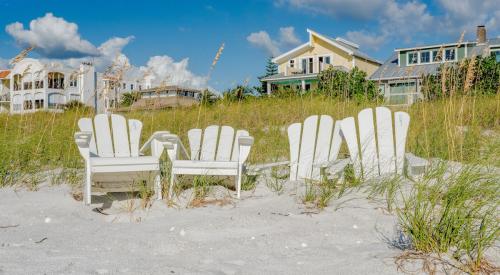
{"x": 263, "y": 233}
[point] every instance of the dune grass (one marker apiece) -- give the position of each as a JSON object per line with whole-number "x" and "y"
{"x": 463, "y": 129}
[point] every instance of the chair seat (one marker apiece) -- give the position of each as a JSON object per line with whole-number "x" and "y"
{"x": 203, "y": 164}
{"x": 124, "y": 164}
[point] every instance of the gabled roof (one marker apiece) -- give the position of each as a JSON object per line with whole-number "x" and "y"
{"x": 4, "y": 74}
{"x": 347, "y": 46}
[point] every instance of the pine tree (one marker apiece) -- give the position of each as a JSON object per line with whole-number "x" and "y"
{"x": 271, "y": 67}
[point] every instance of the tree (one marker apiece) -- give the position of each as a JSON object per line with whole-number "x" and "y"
{"x": 208, "y": 98}
{"x": 353, "y": 84}
{"x": 129, "y": 98}
{"x": 271, "y": 67}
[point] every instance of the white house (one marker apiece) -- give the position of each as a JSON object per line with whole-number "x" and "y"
{"x": 37, "y": 85}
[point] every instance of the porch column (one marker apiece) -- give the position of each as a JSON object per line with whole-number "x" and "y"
{"x": 268, "y": 88}
{"x": 303, "y": 82}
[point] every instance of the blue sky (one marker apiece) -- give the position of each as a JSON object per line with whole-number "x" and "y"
{"x": 251, "y": 30}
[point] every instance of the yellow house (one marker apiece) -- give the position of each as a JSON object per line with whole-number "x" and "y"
{"x": 299, "y": 67}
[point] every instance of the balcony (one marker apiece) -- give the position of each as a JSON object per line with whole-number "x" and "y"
{"x": 311, "y": 68}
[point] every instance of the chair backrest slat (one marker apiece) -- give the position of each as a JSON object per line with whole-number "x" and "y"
{"x": 194, "y": 136}
{"x": 120, "y": 136}
{"x": 225, "y": 146}
{"x": 401, "y": 124}
{"x": 294, "y": 132}
{"x": 323, "y": 141}
{"x": 236, "y": 148}
{"x": 348, "y": 126}
{"x": 85, "y": 124}
{"x": 385, "y": 140}
{"x": 368, "y": 146}
{"x": 209, "y": 143}
{"x": 135, "y": 128}
{"x": 103, "y": 136}
{"x": 336, "y": 142}
{"x": 308, "y": 143}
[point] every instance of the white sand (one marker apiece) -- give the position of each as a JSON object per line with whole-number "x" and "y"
{"x": 262, "y": 233}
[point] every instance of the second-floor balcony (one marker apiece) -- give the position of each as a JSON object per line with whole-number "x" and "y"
{"x": 307, "y": 68}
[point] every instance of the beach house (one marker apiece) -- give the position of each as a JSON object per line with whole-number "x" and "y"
{"x": 299, "y": 67}
{"x": 36, "y": 85}
{"x": 400, "y": 77}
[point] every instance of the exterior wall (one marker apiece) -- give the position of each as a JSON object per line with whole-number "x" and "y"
{"x": 366, "y": 66}
{"x": 320, "y": 48}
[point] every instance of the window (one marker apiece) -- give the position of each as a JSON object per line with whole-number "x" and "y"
{"x": 28, "y": 105}
{"x": 131, "y": 86}
{"x": 425, "y": 57}
{"x": 307, "y": 65}
{"x": 27, "y": 85}
{"x": 17, "y": 82}
{"x": 56, "y": 80}
{"x": 322, "y": 61}
{"x": 17, "y": 102}
{"x": 292, "y": 63}
{"x": 436, "y": 56}
{"x": 449, "y": 54}
{"x": 38, "y": 103}
{"x": 72, "y": 81}
{"x": 413, "y": 58}
{"x": 56, "y": 100}
{"x": 496, "y": 54}
{"x": 39, "y": 84}
{"x": 124, "y": 86}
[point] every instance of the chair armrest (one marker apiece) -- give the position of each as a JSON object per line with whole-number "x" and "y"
{"x": 334, "y": 166}
{"x": 415, "y": 165}
{"x": 159, "y": 136}
{"x": 245, "y": 140}
{"x": 264, "y": 166}
{"x": 82, "y": 140}
{"x": 174, "y": 147}
{"x": 245, "y": 144}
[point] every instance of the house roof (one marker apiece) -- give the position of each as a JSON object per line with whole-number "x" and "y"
{"x": 343, "y": 44}
{"x": 4, "y": 74}
{"x": 391, "y": 70}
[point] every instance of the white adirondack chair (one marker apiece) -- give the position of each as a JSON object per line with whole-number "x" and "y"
{"x": 220, "y": 154}
{"x": 381, "y": 152}
{"x": 112, "y": 156}
{"x": 315, "y": 144}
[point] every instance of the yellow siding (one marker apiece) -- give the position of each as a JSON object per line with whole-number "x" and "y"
{"x": 338, "y": 57}
{"x": 366, "y": 66}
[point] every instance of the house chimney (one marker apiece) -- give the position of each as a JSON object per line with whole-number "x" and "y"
{"x": 481, "y": 34}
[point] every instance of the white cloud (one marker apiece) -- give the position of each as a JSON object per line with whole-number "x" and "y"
{"x": 409, "y": 21}
{"x": 55, "y": 39}
{"x": 261, "y": 39}
{"x": 367, "y": 40}
{"x": 4, "y": 63}
{"x": 465, "y": 15}
{"x": 166, "y": 69}
{"x": 286, "y": 38}
{"x": 52, "y": 37}
{"x": 357, "y": 9}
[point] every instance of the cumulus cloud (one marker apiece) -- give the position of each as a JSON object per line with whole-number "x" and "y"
{"x": 262, "y": 39}
{"x": 165, "y": 69}
{"x": 55, "y": 39}
{"x": 368, "y": 40}
{"x": 52, "y": 37}
{"x": 407, "y": 20}
{"x": 357, "y": 9}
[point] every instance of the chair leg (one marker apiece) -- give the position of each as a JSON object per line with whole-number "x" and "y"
{"x": 157, "y": 187}
{"x": 87, "y": 188}
{"x": 171, "y": 186}
{"x": 238, "y": 182}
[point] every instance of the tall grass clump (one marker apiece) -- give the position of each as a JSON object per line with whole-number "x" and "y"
{"x": 455, "y": 213}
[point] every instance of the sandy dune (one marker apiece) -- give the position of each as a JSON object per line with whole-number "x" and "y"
{"x": 261, "y": 234}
